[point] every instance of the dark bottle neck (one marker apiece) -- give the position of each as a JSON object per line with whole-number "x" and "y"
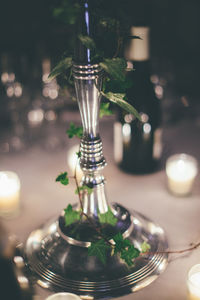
{"x": 85, "y": 27}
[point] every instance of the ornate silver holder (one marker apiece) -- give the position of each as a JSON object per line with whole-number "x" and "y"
{"x": 58, "y": 259}
{"x": 61, "y": 263}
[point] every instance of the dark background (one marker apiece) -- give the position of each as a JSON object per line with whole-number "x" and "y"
{"x": 27, "y": 27}
{"x": 28, "y": 32}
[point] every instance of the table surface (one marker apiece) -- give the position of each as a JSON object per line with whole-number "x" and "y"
{"x": 42, "y": 198}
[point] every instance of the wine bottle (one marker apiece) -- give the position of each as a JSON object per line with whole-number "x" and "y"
{"x": 137, "y": 144}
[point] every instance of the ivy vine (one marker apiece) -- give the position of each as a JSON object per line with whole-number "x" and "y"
{"x": 104, "y": 243}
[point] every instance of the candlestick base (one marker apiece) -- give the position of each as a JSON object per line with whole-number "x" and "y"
{"x": 61, "y": 263}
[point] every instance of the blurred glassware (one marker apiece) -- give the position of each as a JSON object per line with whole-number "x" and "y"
{"x": 50, "y": 87}
{"x": 31, "y": 104}
{"x": 14, "y": 284}
{"x": 35, "y": 117}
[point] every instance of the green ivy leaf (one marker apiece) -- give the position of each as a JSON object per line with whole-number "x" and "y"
{"x": 115, "y": 67}
{"x": 87, "y": 41}
{"x": 74, "y": 131}
{"x": 126, "y": 250}
{"x": 61, "y": 67}
{"x": 63, "y": 178}
{"x": 104, "y": 110}
{"x": 129, "y": 254}
{"x": 145, "y": 247}
{"x": 99, "y": 249}
{"x": 108, "y": 218}
{"x": 71, "y": 215}
{"x": 83, "y": 188}
{"x": 119, "y": 100}
{"x": 116, "y": 86}
{"x": 120, "y": 243}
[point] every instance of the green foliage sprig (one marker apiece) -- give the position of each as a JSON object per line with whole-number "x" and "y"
{"x": 115, "y": 70}
{"x": 71, "y": 215}
{"x": 74, "y": 131}
{"x": 103, "y": 245}
{"x": 115, "y": 82}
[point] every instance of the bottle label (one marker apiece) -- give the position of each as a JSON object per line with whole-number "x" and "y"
{"x": 118, "y": 142}
{"x": 157, "y": 146}
{"x": 139, "y": 48}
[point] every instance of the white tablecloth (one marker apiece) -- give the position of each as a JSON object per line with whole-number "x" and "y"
{"x": 42, "y": 198}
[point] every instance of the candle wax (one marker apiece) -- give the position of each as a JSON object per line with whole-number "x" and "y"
{"x": 181, "y": 173}
{"x": 9, "y": 192}
{"x": 194, "y": 286}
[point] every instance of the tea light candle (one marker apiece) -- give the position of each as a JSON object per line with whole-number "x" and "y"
{"x": 193, "y": 283}
{"x": 73, "y": 162}
{"x": 181, "y": 171}
{"x": 9, "y": 193}
{"x": 63, "y": 296}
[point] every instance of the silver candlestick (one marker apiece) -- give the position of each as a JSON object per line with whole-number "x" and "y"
{"x": 57, "y": 259}
{"x": 88, "y": 81}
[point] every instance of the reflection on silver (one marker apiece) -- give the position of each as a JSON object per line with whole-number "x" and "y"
{"x": 86, "y": 297}
{"x": 144, "y": 283}
{"x": 162, "y": 266}
{"x": 155, "y": 229}
{"x": 43, "y": 284}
